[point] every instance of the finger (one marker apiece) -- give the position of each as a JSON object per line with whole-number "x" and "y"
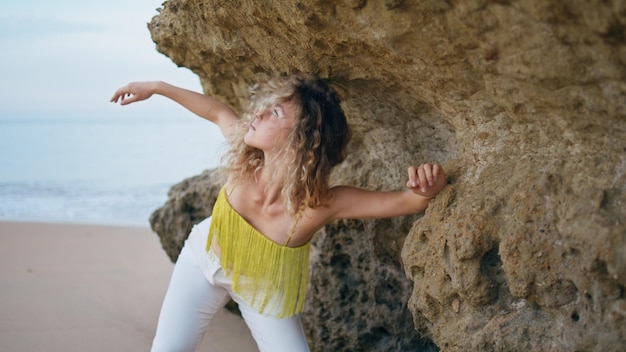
{"x": 436, "y": 168}
{"x": 428, "y": 171}
{"x": 412, "y": 171}
{"x": 129, "y": 98}
{"x": 119, "y": 94}
{"x": 115, "y": 97}
{"x": 421, "y": 176}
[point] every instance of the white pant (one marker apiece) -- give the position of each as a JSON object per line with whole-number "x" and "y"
{"x": 198, "y": 290}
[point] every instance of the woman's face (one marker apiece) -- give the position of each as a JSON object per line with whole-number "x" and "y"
{"x": 270, "y": 129}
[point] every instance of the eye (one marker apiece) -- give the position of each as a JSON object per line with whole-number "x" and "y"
{"x": 277, "y": 111}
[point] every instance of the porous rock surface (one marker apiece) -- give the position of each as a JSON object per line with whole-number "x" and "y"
{"x": 524, "y": 104}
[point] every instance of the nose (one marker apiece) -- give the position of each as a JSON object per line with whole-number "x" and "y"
{"x": 255, "y": 121}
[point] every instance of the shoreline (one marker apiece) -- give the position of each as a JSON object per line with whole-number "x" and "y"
{"x": 55, "y": 222}
{"x": 76, "y": 287}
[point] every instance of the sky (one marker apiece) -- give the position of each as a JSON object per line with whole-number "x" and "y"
{"x": 60, "y": 63}
{"x": 67, "y": 57}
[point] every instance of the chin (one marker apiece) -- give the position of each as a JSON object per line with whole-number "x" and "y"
{"x": 250, "y": 144}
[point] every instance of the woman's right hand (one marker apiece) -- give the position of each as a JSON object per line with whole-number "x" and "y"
{"x": 133, "y": 92}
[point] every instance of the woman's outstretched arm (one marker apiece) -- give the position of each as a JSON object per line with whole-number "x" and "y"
{"x": 202, "y": 105}
{"x": 424, "y": 183}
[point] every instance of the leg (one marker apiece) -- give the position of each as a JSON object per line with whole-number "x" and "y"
{"x": 273, "y": 334}
{"x": 189, "y": 305}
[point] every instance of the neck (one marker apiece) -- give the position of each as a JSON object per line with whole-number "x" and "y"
{"x": 270, "y": 178}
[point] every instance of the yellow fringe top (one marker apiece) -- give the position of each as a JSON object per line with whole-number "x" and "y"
{"x": 270, "y": 277}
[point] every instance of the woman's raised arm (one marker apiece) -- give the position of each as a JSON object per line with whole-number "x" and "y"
{"x": 202, "y": 105}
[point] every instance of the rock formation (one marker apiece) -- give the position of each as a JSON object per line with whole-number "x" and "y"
{"x": 523, "y": 101}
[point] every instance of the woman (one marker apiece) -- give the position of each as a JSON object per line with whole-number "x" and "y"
{"x": 255, "y": 246}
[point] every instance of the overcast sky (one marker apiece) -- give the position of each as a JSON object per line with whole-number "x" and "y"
{"x": 67, "y": 57}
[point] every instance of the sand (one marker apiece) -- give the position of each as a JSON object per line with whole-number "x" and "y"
{"x": 66, "y": 287}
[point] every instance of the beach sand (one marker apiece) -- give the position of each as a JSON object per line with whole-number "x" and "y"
{"x": 66, "y": 287}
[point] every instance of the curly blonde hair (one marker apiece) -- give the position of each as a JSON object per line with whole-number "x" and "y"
{"x": 315, "y": 145}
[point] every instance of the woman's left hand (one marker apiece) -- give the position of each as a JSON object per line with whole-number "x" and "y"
{"x": 426, "y": 180}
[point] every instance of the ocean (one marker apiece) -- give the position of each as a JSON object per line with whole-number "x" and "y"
{"x": 99, "y": 170}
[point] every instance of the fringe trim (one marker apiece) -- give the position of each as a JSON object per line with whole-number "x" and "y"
{"x": 271, "y": 278}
